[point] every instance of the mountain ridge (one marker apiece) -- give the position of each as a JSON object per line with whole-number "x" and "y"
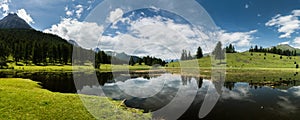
{"x": 13, "y": 21}
{"x": 288, "y": 47}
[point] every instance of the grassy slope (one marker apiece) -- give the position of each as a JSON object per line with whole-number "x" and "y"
{"x": 244, "y": 67}
{"x": 24, "y": 99}
{"x": 288, "y": 47}
{"x": 245, "y": 60}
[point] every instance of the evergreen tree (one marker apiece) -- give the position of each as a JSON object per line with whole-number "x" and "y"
{"x": 184, "y": 55}
{"x": 65, "y": 54}
{"x": 189, "y": 56}
{"x": 199, "y": 53}
{"x": 219, "y": 52}
{"x": 131, "y": 61}
{"x": 230, "y": 49}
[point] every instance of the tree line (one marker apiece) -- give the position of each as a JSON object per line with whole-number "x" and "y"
{"x": 187, "y": 55}
{"x": 273, "y": 50}
{"x": 150, "y": 61}
{"x": 199, "y": 54}
{"x": 33, "y": 47}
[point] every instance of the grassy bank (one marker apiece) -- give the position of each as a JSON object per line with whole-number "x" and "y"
{"x": 24, "y": 99}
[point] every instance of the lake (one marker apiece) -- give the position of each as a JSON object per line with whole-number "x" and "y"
{"x": 176, "y": 96}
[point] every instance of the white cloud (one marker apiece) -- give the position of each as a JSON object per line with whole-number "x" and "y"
{"x": 258, "y": 15}
{"x": 79, "y": 10}
{"x": 115, "y": 15}
{"x": 24, "y": 15}
{"x": 240, "y": 39}
{"x": 84, "y": 33}
{"x": 286, "y": 25}
{"x": 246, "y": 6}
{"x": 156, "y": 36}
{"x": 4, "y": 6}
{"x": 296, "y": 12}
{"x": 162, "y": 37}
{"x": 69, "y": 13}
{"x": 296, "y": 41}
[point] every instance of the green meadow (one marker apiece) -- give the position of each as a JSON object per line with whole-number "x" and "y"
{"x": 248, "y": 66}
{"x": 25, "y": 99}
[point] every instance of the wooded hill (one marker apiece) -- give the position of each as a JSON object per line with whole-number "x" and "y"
{"x": 34, "y": 47}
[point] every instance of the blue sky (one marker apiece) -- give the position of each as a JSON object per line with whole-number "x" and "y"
{"x": 245, "y": 15}
{"x": 241, "y": 22}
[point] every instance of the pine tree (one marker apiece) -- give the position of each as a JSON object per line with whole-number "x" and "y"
{"x": 189, "y": 56}
{"x": 131, "y": 61}
{"x": 199, "y": 53}
{"x": 219, "y": 52}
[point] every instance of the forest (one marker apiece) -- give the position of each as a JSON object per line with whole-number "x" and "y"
{"x": 33, "y": 47}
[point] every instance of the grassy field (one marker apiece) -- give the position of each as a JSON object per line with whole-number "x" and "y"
{"x": 109, "y": 67}
{"x": 239, "y": 66}
{"x": 246, "y": 60}
{"x": 69, "y": 68}
{"x": 246, "y": 66}
{"x": 24, "y": 99}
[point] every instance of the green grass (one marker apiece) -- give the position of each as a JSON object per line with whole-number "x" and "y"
{"x": 24, "y": 99}
{"x": 64, "y": 68}
{"x": 109, "y": 67}
{"x": 246, "y": 60}
{"x": 244, "y": 67}
{"x": 259, "y": 60}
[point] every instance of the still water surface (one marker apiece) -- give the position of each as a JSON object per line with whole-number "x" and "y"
{"x": 238, "y": 101}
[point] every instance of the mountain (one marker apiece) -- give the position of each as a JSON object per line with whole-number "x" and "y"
{"x": 13, "y": 21}
{"x": 121, "y": 56}
{"x": 288, "y": 47}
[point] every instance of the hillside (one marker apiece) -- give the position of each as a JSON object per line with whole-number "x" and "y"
{"x": 248, "y": 60}
{"x": 31, "y": 46}
{"x": 288, "y": 47}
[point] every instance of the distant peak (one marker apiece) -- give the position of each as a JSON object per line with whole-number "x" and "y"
{"x": 13, "y": 21}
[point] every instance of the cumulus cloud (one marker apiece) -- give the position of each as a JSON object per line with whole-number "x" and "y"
{"x": 79, "y": 10}
{"x": 84, "y": 33}
{"x": 296, "y": 41}
{"x": 4, "y": 6}
{"x": 240, "y": 39}
{"x": 286, "y": 25}
{"x": 69, "y": 13}
{"x": 164, "y": 38}
{"x": 296, "y": 12}
{"x": 114, "y": 15}
{"x": 155, "y": 36}
{"x": 24, "y": 15}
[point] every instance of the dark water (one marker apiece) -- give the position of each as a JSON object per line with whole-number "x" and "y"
{"x": 158, "y": 94}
